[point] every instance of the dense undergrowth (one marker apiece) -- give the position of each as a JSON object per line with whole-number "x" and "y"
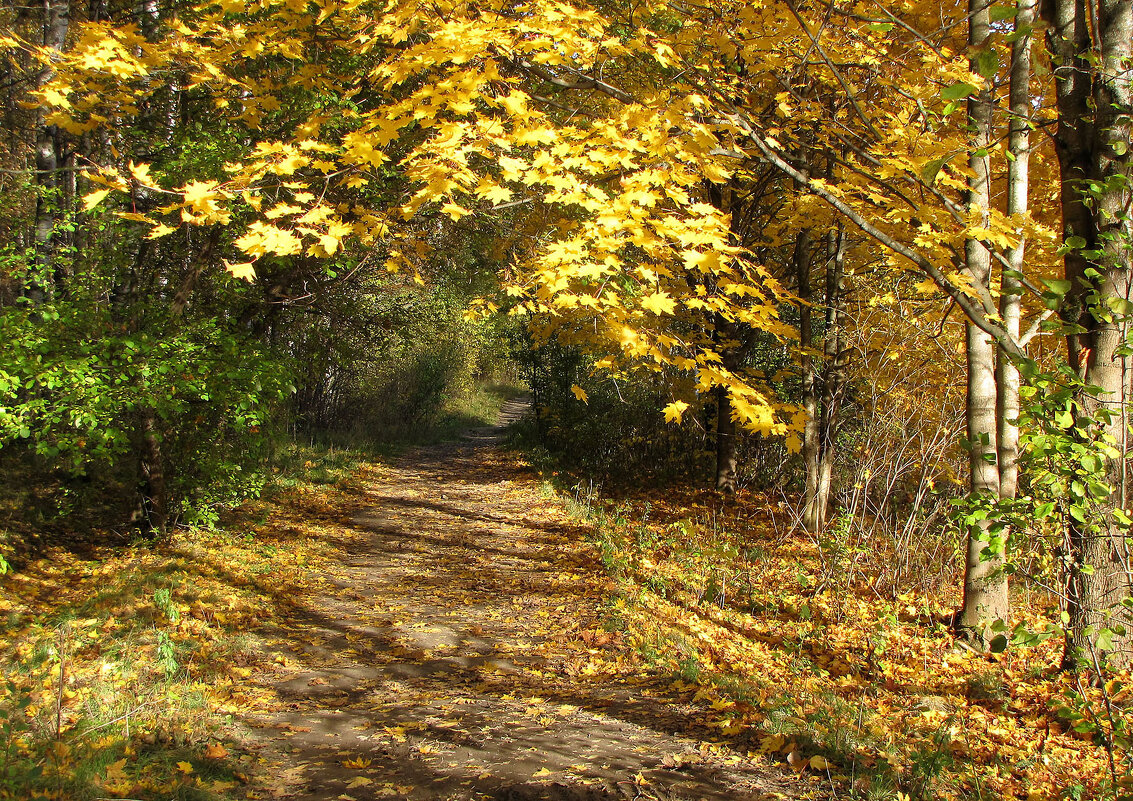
{"x": 819, "y": 653}
{"x": 121, "y": 665}
{"x": 123, "y": 662}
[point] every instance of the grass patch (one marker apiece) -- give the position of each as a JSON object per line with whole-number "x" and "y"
{"x": 123, "y": 666}
{"x": 782, "y": 659}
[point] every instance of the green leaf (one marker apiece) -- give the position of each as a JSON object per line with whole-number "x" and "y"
{"x": 957, "y": 91}
{"x": 932, "y": 168}
{"x": 1059, "y": 286}
{"x": 1105, "y": 640}
{"x": 1119, "y": 305}
{"x": 987, "y": 63}
{"x": 1000, "y": 13}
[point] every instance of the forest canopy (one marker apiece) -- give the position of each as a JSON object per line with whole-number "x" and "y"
{"x": 781, "y": 222}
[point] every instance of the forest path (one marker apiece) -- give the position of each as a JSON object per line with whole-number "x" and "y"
{"x": 459, "y": 653}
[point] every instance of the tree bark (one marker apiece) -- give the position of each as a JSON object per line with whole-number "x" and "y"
{"x": 1011, "y": 290}
{"x": 49, "y": 198}
{"x": 725, "y": 443}
{"x": 1095, "y": 107}
{"x": 802, "y": 259}
{"x": 833, "y": 371}
{"x": 985, "y": 584}
{"x": 155, "y": 493}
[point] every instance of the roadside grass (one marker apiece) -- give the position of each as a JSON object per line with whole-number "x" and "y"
{"x": 860, "y": 688}
{"x": 123, "y": 665}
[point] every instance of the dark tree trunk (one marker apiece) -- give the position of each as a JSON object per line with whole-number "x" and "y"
{"x": 1093, "y": 142}
{"x": 725, "y": 443}
{"x": 155, "y": 493}
{"x": 49, "y": 200}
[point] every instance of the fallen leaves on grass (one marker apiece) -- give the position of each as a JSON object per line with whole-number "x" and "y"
{"x": 841, "y": 679}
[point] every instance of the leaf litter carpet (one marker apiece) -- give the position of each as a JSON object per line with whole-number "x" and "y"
{"x": 460, "y": 652}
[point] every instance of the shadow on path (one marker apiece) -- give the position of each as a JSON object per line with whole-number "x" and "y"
{"x": 454, "y": 655}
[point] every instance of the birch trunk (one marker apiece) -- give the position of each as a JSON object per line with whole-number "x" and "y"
{"x": 985, "y": 584}
{"x": 1011, "y": 290}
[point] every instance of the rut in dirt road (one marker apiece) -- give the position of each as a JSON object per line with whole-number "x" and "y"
{"x": 460, "y": 653}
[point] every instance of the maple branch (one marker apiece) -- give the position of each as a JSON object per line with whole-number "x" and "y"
{"x": 837, "y": 73}
{"x": 582, "y": 80}
{"x": 971, "y": 310}
{"x": 572, "y": 111}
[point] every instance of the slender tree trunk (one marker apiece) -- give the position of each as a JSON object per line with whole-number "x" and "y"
{"x": 49, "y": 200}
{"x": 985, "y": 584}
{"x": 155, "y": 493}
{"x": 833, "y": 372}
{"x": 1010, "y": 305}
{"x": 733, "y": 346}
{"x": 802, "y": 259}
{"x": 725, "y": 442}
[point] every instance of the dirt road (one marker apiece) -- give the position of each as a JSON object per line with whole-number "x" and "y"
{"x": 467, "y": 648}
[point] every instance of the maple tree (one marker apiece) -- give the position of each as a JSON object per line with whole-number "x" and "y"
{"x": 620, "y": 139}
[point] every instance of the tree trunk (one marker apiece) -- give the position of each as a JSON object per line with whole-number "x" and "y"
{"x": 823, "y": 375}
{"x": 155, "y": 494}
{"x": 725, "y": 442}
{"x": 834, "y": 354}
{"x": 49, "y": 198}
{"x": 985, "y": 584}
{"x": 1099, "y": 579}
{"x": 802, "y": 259}
{"x": 1010, "y": 305}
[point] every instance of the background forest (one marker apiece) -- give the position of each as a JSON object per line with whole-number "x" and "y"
{"x": 823, "y": 308}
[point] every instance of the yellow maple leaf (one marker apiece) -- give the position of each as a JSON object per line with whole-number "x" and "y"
{"x": 116, "y": 771}
{"x": 580, "y": 393}
{"x": 185, "y": 767}
{"x": 94, "y": 198}
{"x": 141, "y": 174}
{"x": 160, "y": 230}
{"x": 516, "y": 103}
{"x": 53, "y": 97}
{"x": 536, "y": 136}
{"x": 674, "y": 411}
{"x": 290, "y": 165}
{"x": 454, "y": 211}
{"x": 493, "y": 192}
{"x": 659, "y": 303}
{"x": 245, "y": 270}
{"x": 199, "y": 192}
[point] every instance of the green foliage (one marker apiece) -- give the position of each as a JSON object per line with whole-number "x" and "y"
{"x": 79, "y": 377}
{"x": 1065, "y": 454}
{"x": 415, "y": 367}
{"x": 619, "y": 432}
